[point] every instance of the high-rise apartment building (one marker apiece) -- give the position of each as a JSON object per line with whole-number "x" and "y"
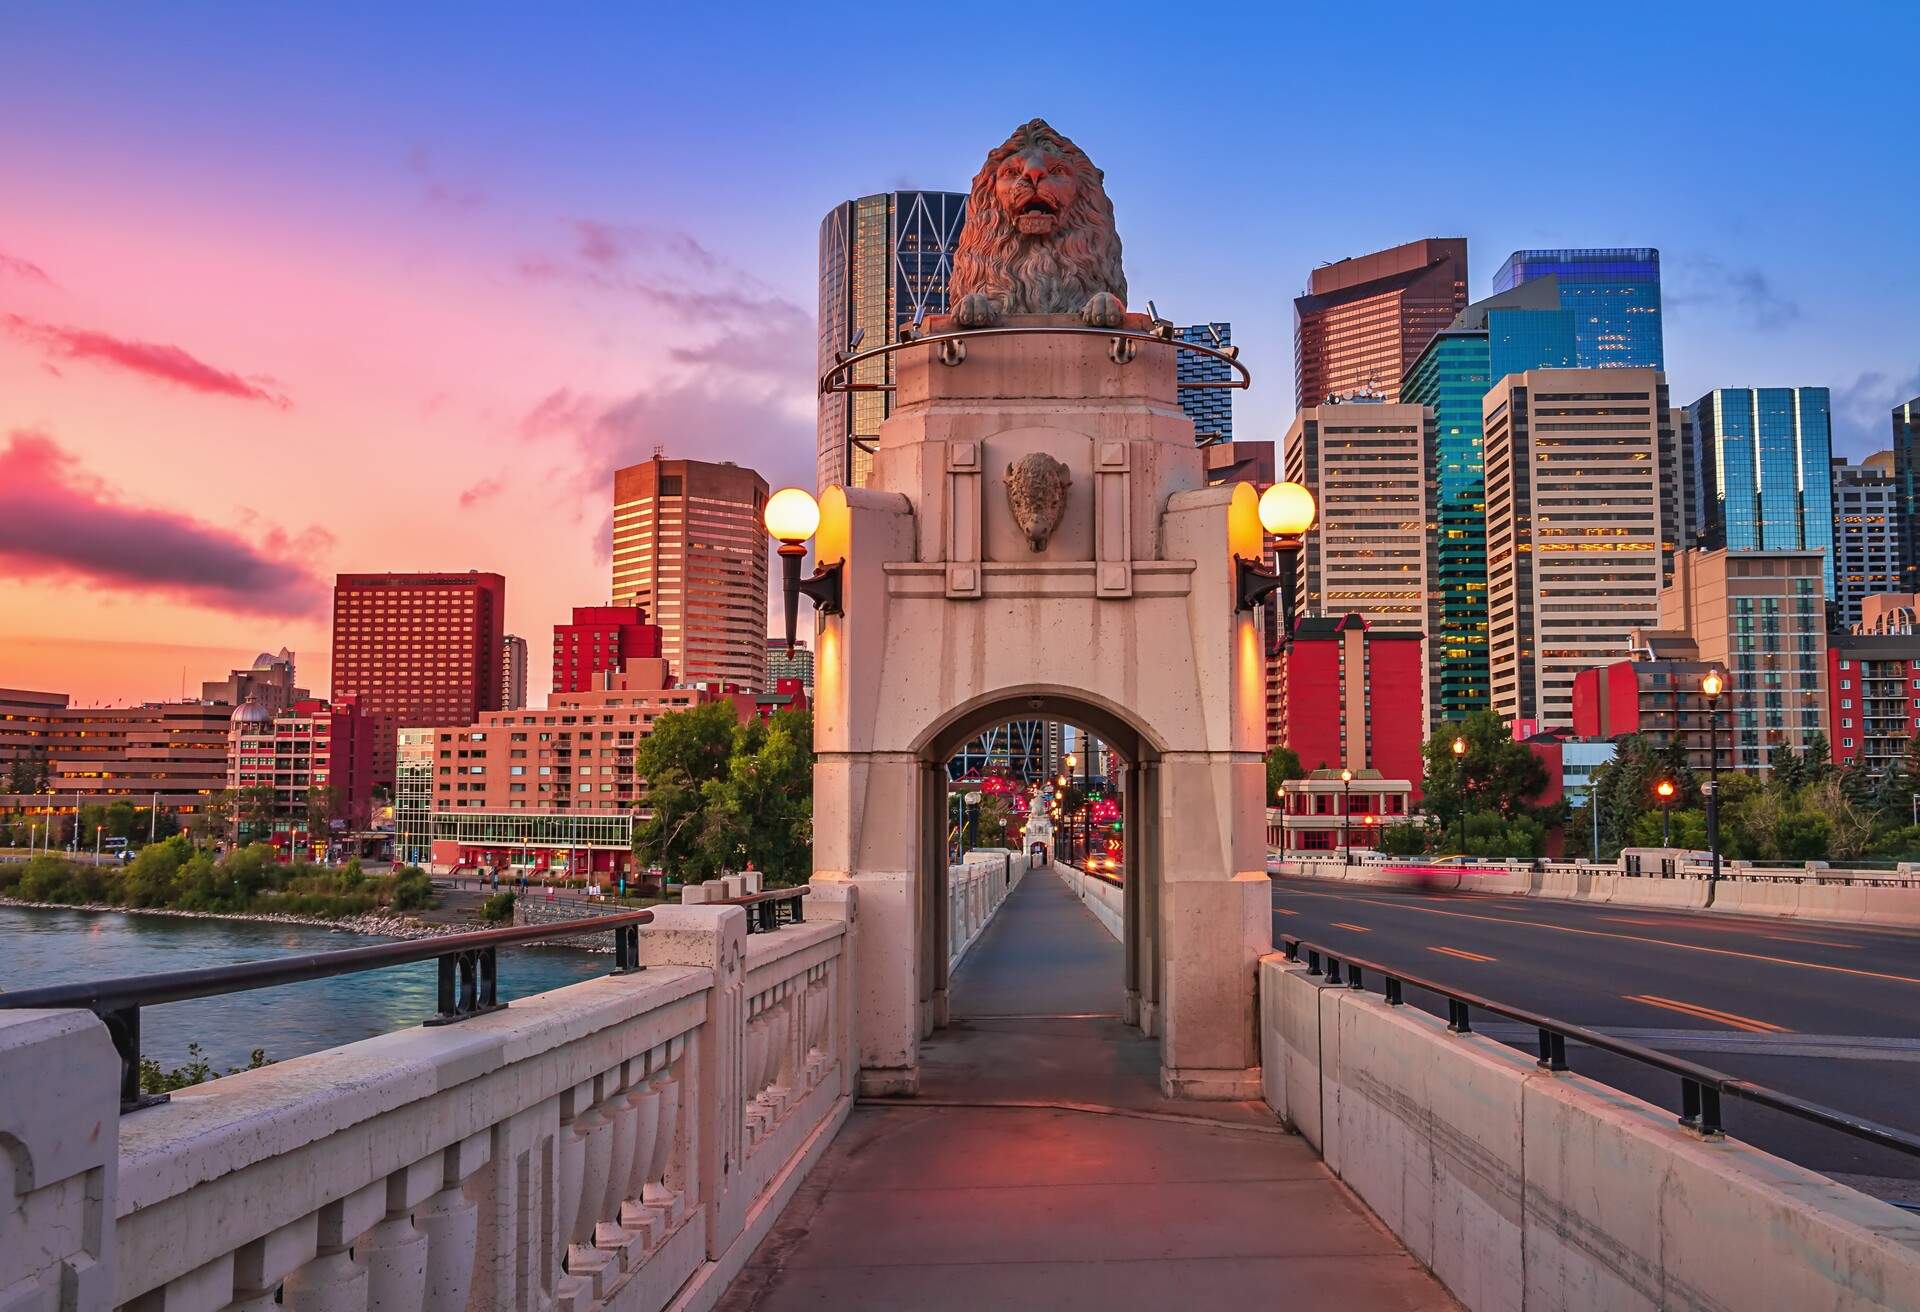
{"x": 884, "y": 263}
{"x": 689, "y": 549}
{"x": 269, "y": 682}
{"x": 796, "y": 664}
{"x": 1760, "y": 616}
{"x": 1906, "y": 478}
{"x": 600, "y": 639}
{"x": 1510, "y": 333}
{"x": 513, "y": 672}
{"x": 1613, "y": 294}
{"x": 1366, "y": 465}
{"x": 1574, "y": 538}
{"x": 1364, "y": 320}
{"x": 1866, "y": 534}
{"x": 1871, "y": 702}
{"x": 315, "y": 757}
{"x": 1210, "y": 408}
{"x": 1351, "y": 697}
{"x": 1763, "y": 458}
{"x": 418, "y": 649}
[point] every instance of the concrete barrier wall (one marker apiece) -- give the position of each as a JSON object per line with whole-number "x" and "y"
{"x": 1107, "y": 900}
{"x": 1526, "y": 1189}
{"x": 620, "y": 1144}
{"x": 1809, "y": 895}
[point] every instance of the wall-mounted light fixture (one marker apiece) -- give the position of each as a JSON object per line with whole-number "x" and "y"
{"x": 792, "y": 516}
{"x": 1286, "y": 512}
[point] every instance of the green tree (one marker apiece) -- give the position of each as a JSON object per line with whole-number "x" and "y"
{"x": 323, "y": 808}
{"x": 27, "y": 772}
{"x": 1495, "y": 773}
{"x": 761, "y": 810}
{"x": 1283, "y": 763}
{"x": 1403, "y": 840}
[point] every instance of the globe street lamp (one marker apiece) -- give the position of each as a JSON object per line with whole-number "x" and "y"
{"x": 1664, "y": 791}
{"x": 1286, "y": 513}
{"x": 1459, "y": 761}
{"x": 791, "y": 517}
{"x": 1711, "y": 686}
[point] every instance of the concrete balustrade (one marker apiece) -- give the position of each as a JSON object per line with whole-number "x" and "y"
{"x": 621, "y": 1143}
{"x": 975, "y": 890}
{"x": 1528, "y": 1189}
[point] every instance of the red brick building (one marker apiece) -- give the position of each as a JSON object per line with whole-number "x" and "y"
{"x": 601, "y": 639}
{"x": 1660, "y": 700}
{"x": 418, "y": 649}
{"x": 311, "y": 747}
{"x": 1873, "y": 698}
{"x": 1353, "y": 697}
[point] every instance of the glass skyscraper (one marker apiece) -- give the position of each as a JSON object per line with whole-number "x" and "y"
{"x": 1764, "y": 460}
{"x": 1906, "y": 485}
{"x": 1210, "y": 408}
{"x": 1613, "y": 294}
{"x": 884, "y": 261}
{"x": 1510, "y": 333}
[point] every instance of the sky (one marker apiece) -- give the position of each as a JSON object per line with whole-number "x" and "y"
{"x": 287, "y": 291}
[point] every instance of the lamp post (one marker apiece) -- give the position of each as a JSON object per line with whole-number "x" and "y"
{"x": 1664, "y": 791}
{"x": 1286, "y": 513}
{"x": 1459, "y": 762}
{"x": 1346, "y": 847}
{"x": 1711, "y": 686}
{"x": 791, "y": 517}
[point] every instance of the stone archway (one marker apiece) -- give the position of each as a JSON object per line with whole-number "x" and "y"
{"x": 1139, "y": 784}
{"x": 1124, "y": 616}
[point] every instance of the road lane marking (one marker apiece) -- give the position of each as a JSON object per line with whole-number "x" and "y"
{"x": 1282, "y": 911}
{"x": 1358, "y": 929}
{"x": 1463, "y": 954}
{"x": 1747, "y": 1023}
{"x": 1734, "y": 929}
{"x": 1854, "y": 971}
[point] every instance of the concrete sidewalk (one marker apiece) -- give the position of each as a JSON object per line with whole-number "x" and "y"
{"x": 1040, "y": 1168}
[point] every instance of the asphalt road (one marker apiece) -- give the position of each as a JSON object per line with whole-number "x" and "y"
{"x": 1830, "y": 1013}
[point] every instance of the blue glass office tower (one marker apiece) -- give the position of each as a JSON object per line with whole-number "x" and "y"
{"x": 1763, "y": 458}
{"x": 1614, "y": 295}
{"x": 1525, "y": 328}
{"x": 1210, "y": 408}
{"x": 1906, "y": 484}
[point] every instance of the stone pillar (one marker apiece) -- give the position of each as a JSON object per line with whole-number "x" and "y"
{"x": 59, "y": 1140}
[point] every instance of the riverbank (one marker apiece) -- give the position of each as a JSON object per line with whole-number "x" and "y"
{"x": 385, "y": 924}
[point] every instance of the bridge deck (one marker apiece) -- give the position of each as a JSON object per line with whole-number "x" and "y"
{"x": 1040, "y": 1168}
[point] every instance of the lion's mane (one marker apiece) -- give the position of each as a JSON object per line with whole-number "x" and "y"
{"x": 1057, "y": 275}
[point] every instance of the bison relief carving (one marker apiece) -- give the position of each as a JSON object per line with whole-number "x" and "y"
{"x": 1037, "y": 491}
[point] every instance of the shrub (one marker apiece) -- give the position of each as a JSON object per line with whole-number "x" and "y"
{"x": 156, "y": 1079}
{"x": 410, "y": 890}
{"x": 497, "y": 909}
{"x": 47, "y": 878}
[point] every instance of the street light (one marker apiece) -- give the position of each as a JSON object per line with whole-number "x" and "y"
{"x": 1286, "y": 513}
{"x": 792, "y": 516}
{"x": 1664, "y": 791}
{"x": 1711, "y": 686}
{"x": 1346, "y": 848}
{"x": 1460, "y": 760}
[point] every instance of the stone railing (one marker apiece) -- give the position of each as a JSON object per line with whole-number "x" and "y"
{"x": 975, "y": 890}
{"x": 1103, "y": 895}
{"x": 620, "y": 1143}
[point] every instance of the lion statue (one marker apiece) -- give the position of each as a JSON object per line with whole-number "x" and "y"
{"x": 1039, "y": 237}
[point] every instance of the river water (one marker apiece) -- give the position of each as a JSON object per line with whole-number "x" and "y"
{"x": 66, "y": 947}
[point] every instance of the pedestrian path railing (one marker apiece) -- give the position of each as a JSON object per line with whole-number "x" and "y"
{"x": 1701, "y": 1087}
{"x": 621, "y": 1142}
{"x": 469, "y": 981}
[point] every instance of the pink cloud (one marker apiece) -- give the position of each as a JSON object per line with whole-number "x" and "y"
{"x": 485, "y": 490}
{"x": 25, "y": 270}
{"x": 154, "y": 360}
{"x": 60, "y": 523}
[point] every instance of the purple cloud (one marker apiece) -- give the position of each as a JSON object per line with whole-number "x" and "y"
{"x": 25, "y": 270}
{"x": 59, "y": 523}
{"x": 153, "y": 360}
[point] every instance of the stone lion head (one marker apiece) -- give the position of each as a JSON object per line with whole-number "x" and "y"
{"x": 1039, "y": 237}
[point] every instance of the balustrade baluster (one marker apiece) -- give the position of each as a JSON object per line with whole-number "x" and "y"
{"x": 451, "y": 1222}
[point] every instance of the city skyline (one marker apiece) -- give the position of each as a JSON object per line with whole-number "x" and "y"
{"x": 434, "y": 307}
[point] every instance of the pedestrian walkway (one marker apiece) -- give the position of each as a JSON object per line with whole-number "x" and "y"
{"x": 1040, "y": 1168}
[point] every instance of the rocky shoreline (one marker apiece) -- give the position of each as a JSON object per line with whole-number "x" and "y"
{"x": 386, "y": 924}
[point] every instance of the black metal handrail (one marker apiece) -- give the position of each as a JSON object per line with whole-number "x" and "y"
{"x": 763, "y": 908}
{"x": 468, "y": 983}
{"x": 1701, "y": 1087}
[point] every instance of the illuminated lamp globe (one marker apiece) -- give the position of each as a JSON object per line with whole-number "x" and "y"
{"x": 792, "y": 515}
{"x": 1459, "y": 746}
{"x": 1286, "y": 510}
{"x": 1713, "y": 685}
{"x": 1664, "y": 788}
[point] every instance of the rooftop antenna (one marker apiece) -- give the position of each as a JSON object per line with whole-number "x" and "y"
{"x": 1213, "y": 331}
